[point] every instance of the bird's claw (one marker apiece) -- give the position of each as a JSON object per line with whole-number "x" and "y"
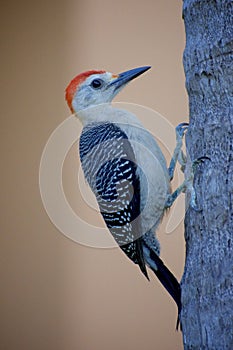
{"x": 181, "y": 128}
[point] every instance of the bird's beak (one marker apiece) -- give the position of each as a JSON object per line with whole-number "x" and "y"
{"x": 123, "y": 78}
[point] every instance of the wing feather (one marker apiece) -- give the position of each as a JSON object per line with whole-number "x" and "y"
{"x": 109, "y": 166}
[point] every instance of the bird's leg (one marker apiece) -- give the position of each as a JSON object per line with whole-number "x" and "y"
{"x": 187, "y": 186}
{"x": 178, "y": 154}
{"x": 172, "y": 197}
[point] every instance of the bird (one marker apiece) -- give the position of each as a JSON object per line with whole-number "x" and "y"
{"x": 126, "y": 169}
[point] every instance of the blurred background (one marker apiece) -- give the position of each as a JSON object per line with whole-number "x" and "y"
{"x": 55, "y": 293}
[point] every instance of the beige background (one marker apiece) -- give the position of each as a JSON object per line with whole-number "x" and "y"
{"x": 57, "y": 294}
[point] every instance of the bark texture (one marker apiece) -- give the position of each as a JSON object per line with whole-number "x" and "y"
{"x": 207, "y": 283}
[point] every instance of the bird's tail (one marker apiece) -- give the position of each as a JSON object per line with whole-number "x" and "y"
{"x": 167, "y": 279}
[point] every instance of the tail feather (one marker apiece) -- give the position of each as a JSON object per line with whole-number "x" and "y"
{"x": 167, "y": 279}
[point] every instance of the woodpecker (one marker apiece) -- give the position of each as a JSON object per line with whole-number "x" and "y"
{"x": 125, "y": 169}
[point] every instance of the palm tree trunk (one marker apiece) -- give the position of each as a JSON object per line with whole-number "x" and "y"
{"x": 207, "y": 283}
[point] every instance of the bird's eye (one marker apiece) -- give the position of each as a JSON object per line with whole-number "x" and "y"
{"x": 97, "y": 83}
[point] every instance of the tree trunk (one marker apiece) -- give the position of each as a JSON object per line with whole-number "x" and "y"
{"x": 207, "y": 283}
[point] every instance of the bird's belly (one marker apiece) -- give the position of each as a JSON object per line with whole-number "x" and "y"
{"x": 154, "y": 191}
{"x": 154, "y": 179}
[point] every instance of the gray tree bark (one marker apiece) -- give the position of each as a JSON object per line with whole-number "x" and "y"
{"x": 207, "y": 283}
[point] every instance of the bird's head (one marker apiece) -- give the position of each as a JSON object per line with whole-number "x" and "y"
{"x": 96, "y": 87}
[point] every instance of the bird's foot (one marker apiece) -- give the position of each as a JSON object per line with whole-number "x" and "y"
{"x": 178, "y": 154}
{"x": 180, "y": 130}
{"x": 187, "y": 186}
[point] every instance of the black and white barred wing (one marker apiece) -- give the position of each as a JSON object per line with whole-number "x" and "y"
{"x": 110, "y": 168}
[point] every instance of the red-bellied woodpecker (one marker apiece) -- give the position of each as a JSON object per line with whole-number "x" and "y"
{"x": 125, "y": 169}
